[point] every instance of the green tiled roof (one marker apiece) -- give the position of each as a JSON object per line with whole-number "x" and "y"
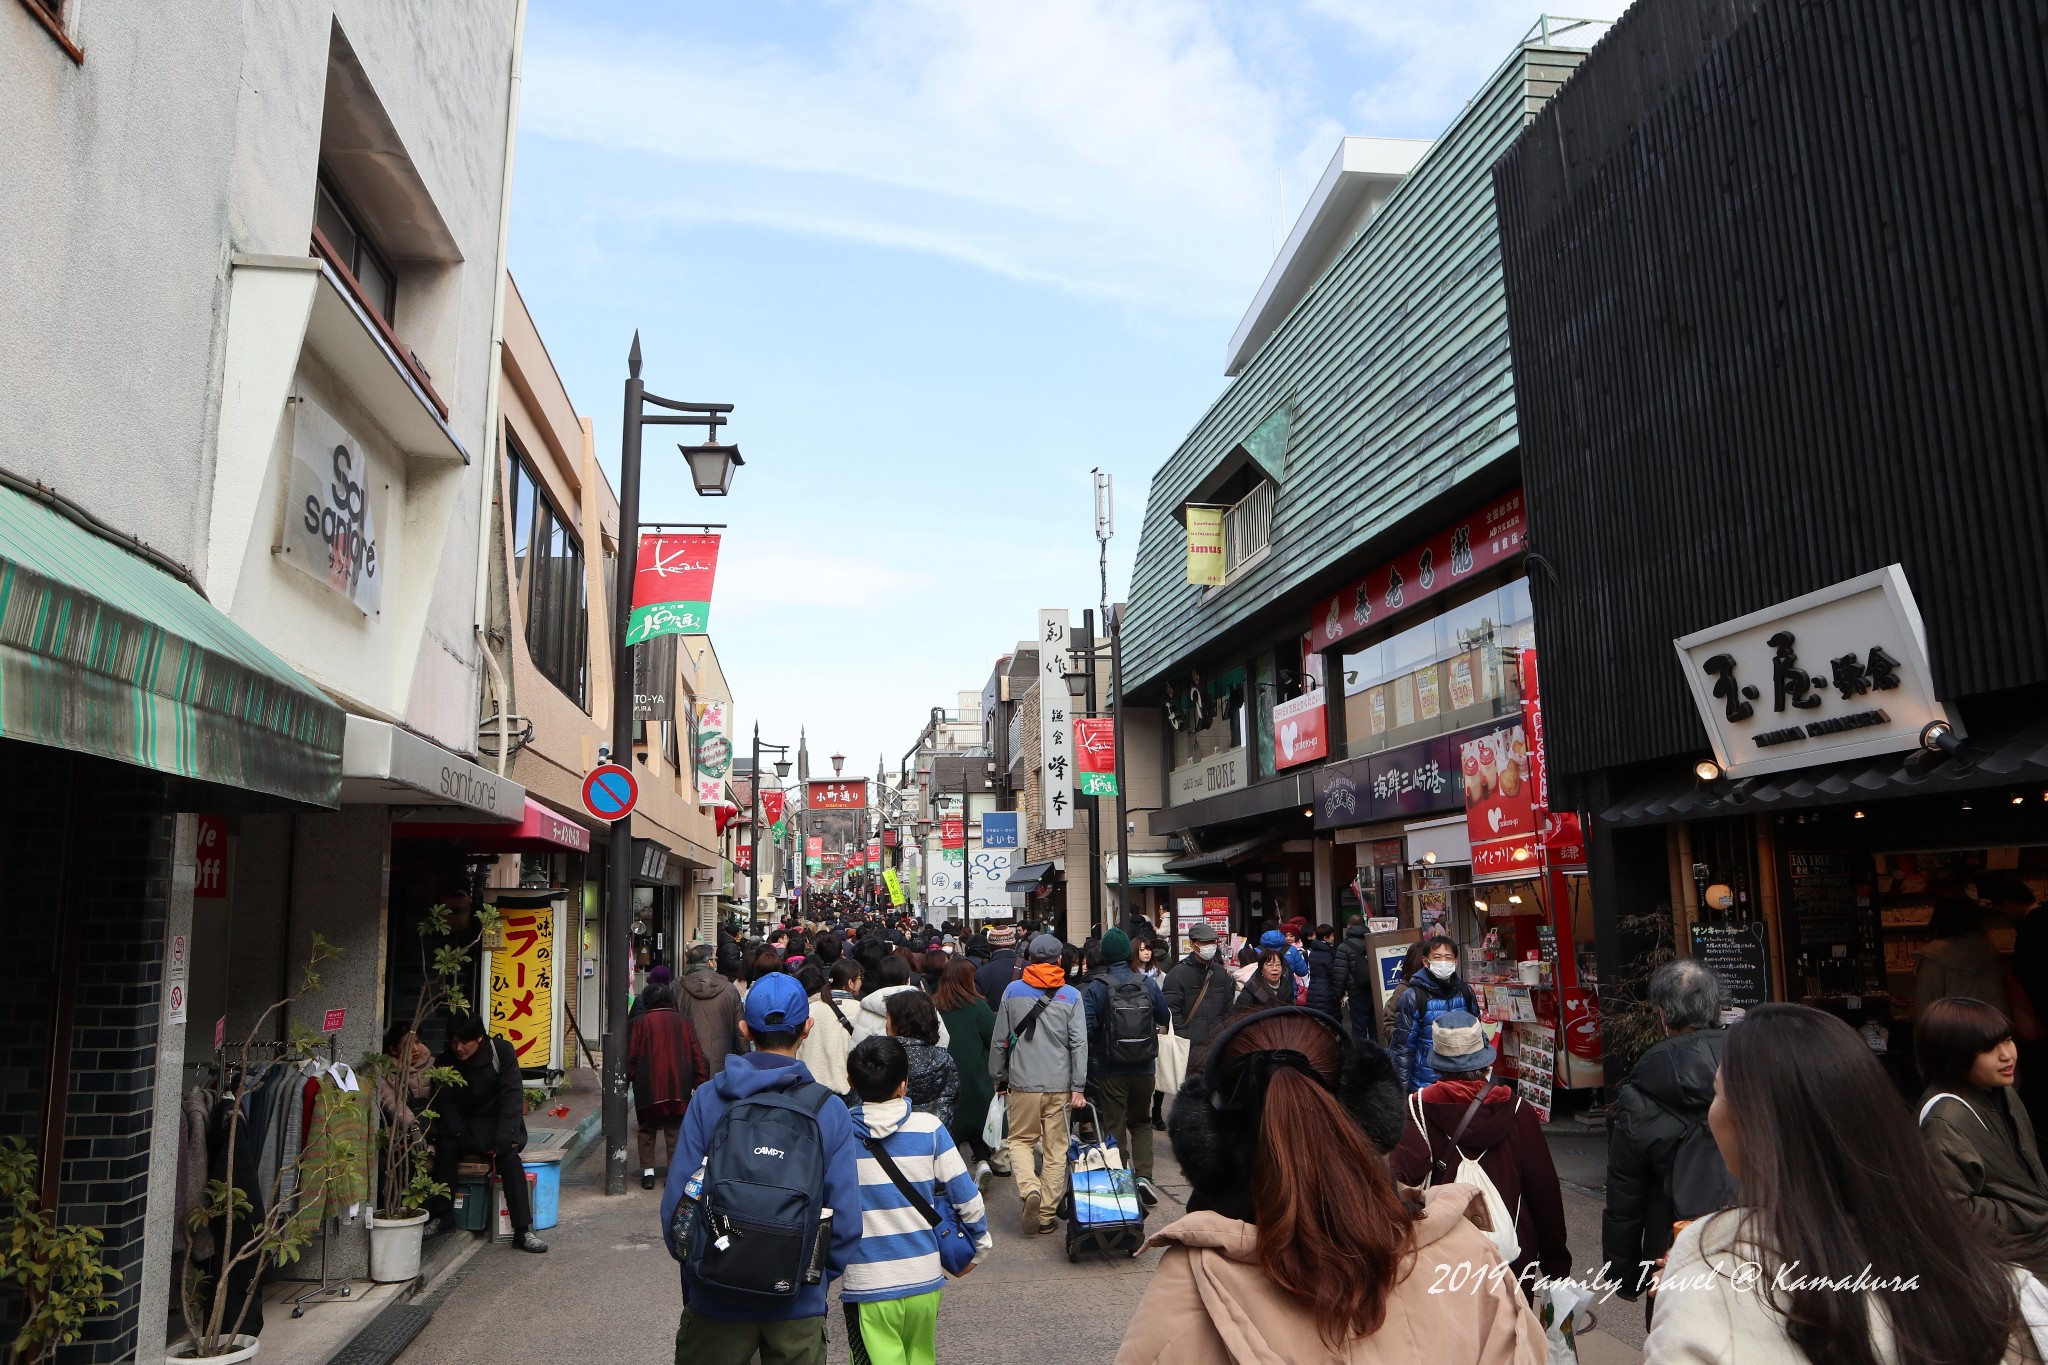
{"x": 1393, "y": 375}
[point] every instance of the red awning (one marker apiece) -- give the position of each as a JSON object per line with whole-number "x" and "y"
{"x": 541, "y": 830}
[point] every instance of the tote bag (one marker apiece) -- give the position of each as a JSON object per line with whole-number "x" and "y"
{"x": 1174, "y": 1049}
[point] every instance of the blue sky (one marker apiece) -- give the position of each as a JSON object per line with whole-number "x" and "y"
{"x": 946, "y": 256}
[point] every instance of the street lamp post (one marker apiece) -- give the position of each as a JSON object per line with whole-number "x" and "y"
{"x": 711, "y": 468}
{"x": 754, "y": 823}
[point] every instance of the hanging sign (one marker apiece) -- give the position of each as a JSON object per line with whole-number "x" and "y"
{"x": 771, "y": 807}
{"x": 852, "y": 794}
{"x": 1055, "y": 742}
{"x": 210, "y": 848}
{"x": 874, "y": 852}
{"x": 1839, "y": 673}
{"x": 895, "y": 885}
{"x": 952, "y": 833}
{"x": 814, "y": 847}
{"x": 1205, "y": 546}
{"x": 714, "y": 753}
{"x": 743, "y": 857}
{"x": 999, "y": 829}
{"x": 1095, "y": 754}
{"x": 1501, "y": 818}
{"x": 331, "y": 516}
{"x": 654, "y": 679}
{"x": 672, "y": 586}
{"x": 1300, "y": 734}
{"x": 1494, "y": 533}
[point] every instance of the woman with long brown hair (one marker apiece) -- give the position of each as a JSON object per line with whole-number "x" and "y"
{"x": 1296, "y": 1245}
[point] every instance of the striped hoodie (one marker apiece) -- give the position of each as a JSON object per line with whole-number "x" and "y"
{"x": 898, "y": 1255}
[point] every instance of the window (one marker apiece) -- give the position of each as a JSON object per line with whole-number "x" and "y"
{"x": 548, "y": 563}
{"x": 376, "y": 283}
{"x": 1207, "y": 716}
{"x": 1247, "y": 530}
{"x": 1459, "y": 668}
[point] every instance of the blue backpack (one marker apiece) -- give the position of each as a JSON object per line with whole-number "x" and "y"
{"x": 759, "y": 1229}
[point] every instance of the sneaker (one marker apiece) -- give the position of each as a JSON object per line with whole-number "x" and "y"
{"x": 999, "y": 1165}
{"x": 647, "y": 1180}
{"x": 1033, "y": 1222}
{"x": 981, "y": 1176}
{"x": 1148, "y": 1193}
{"x": 526, "y": 1241}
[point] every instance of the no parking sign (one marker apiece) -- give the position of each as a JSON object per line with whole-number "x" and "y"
{"x": 610, "y": 792}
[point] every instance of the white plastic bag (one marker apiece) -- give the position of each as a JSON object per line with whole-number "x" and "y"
{"x": 998, "y": 1121}
{"x": 1561, "y": 1308}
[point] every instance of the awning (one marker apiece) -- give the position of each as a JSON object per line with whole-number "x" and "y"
{"x": 1027, "y": 877}
{"x": 1223, "y": 856}
{"x": 1992, "y": 756}
{"x": 541, "y": 830}
{"x": 103, "y": 653}
{"x": 382, "y": 765}
{"x": 1147, "y": 869}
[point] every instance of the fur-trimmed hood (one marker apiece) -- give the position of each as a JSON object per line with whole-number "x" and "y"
{"x": 1215, "y": 1150}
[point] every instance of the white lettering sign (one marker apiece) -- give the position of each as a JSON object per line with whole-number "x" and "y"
{"x": 331, "y": 509}
{"x": 1211, "y": 776}
{"x": 1837, "y": 674}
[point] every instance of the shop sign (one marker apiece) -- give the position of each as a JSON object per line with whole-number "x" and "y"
{"x": 714, "y": 753}
{"x": 331, "y": 516}
{"x": 1737, "y": 954}
{"x": 672, "y": 586}
{"x": 650, "y": 860}
{"x": 1300, "y": 731}
{"x": 1836, "y": 674}
{"x": 772, "y": 807}
{"x": 1055, "y": 756}
{"x": 1501, "y": 818}
{"x": 1415, "y": 779}
{"x": 743, "y": 857}
{"x": 952, "y": 832}
{"x": 1536, "y": 1065}
{"x": 874, "y": 858}
{"x": 1564, "y": 839}
{"x": 654, "y": 679}
{"x": 1206, "y": 568}
{"x": 888, "y": 838}
{"x": 814, "y": 847}
{"x": 522, "y": 984}
{"x": 1494, "y": 533}
{"x": 850, "y": 795}
{"x": 999, "y": 829}
{"x": 1211, "y": 776}
{"x": 210, "y": 850}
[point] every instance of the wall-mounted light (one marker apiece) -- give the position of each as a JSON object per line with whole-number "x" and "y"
{"x": 1939, "y": 737}
{"x": 2019, "y": 800}
{"x": 1706, "y": 770}
{"x": 1859, "y": 815}
{"x": 1514, "y": 898}
{"x": 1429, "y": 858}
{"x": 1968, "y": 806}
{"x": 1311, "y": 810}
{"x": 1479, "y": 905}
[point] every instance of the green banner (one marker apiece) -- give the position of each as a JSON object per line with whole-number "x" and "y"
{"x": 1098, "y": 784}
{"x": 815, "y": 864}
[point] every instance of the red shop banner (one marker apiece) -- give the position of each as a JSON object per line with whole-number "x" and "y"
{"x": 743, "y": 857}
{"x": 771, "y": 807}
{"x": 672, "y": 586}
{"x": 953, "y": 833}
{"x": 1094, "y": 744}
{"x": 814, "y": 847}
{"x": 851, "y": 795}
{"x": 1300, "y": 731}
{"x": 874, "y": 853}
{"x": 1494, "y": 533}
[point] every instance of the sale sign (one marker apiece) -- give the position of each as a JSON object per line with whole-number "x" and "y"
{"x": 211, "y": 857}
{"x": 1300, "y": 732}
{"x": 672, "y": 586}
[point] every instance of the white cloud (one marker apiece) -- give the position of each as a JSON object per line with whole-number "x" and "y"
{"x": 1113, "y": 146}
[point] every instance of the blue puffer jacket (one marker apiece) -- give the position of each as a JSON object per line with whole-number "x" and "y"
{"x": 1420, "y": 1004}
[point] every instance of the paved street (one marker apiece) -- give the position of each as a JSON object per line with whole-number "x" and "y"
{"x": 605, "y": 1294}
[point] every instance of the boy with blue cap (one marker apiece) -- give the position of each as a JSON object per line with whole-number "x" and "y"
{"x": 717, "y": 1329}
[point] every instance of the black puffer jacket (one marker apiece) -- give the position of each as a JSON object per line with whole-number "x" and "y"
{"x": 1352, "y": 963}
{"x": 487, "y": 1112}
{"x": 1663, "y": 1099}
{"x": 1324, "y": 991}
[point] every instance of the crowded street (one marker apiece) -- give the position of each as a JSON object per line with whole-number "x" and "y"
{"x": 1158, "y": 682}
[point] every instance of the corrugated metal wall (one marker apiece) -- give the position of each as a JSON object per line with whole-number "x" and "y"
{"x": 1394, "y": 369}
{"x": 1777, "y": 280}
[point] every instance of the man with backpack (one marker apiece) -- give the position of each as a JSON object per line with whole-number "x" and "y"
{"x": 1663, "y": 1165}
{"x": 1125, "y": 1013}
{"x": 1039, "y": 1062}
{"x": 763, "y": 1203}
{"x": 1351, "y": 975}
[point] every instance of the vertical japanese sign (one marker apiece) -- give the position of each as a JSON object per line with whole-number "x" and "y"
{"x": 714, "y": 753}
{"x": 1205, "y": 546}
{"x": 523, "y": 984}
{"x": 895, "y": 885}
{"x": 1055, "y": 757}
{"x": 1095, "y": 754}
{"x": 672, "y": 587}
{"x": 654, "y": 679}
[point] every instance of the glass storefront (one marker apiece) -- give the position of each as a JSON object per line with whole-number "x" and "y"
{"x": 1457, "y": 669}
{"x": 1208, "y": 717}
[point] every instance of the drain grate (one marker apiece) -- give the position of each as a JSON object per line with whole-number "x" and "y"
{"x": 388, "y": 1334}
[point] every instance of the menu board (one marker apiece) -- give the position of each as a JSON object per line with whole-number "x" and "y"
{"x": 1426, "y": 692}
{"x": 1820, "y": 890}
{"x": 1738, "y": 955}
{"x": 1535, "y": 1061}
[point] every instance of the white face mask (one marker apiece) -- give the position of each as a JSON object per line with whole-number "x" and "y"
{"x": 1442, "y": 971}
{"x": 1205, "y": 951}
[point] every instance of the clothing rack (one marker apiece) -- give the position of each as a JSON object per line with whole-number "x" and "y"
{"x": 330, "y": 1229}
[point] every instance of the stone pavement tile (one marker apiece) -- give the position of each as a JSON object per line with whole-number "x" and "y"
{"x": 1597, "y": 1348}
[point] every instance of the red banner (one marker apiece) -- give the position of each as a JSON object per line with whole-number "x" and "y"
{"x": 953, "y": 833}
{"x": 672, "y": 586}
{"x": 1094, "y": 744}
{"x": 1300, "y": 731}
{"x": 1490, "y": 535}
{"x": 874, "y": 853}
{"x": 848, "y": 795}
{"x": 771, "y": 807}
{"x": 888, "y": 838}
{"x": 211, "y": 852}
{"x": 743, "y": 857}
{"x": 814, "y": 847}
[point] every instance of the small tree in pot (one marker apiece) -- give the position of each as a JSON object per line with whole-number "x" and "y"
{"x": 55, "y": 1266}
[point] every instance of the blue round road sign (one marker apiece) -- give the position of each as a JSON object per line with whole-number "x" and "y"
{"x": 610, "y": 792}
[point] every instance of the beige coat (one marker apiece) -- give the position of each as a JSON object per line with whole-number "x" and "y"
{"x": 1209, "y": 1303}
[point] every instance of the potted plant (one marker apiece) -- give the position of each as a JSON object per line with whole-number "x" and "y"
{"x": 406, "y": 1083}
{"x": 217, "y": 1304}
{"x": 56, "y": 1267}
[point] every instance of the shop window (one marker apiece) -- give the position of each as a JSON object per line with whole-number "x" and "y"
{"x": 1459, "y": 668}
{"x": 1207, "y": 716}
{"x": 548, "y": 564}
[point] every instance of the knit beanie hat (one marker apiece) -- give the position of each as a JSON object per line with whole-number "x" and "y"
{"x": 1116, "y": 946}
